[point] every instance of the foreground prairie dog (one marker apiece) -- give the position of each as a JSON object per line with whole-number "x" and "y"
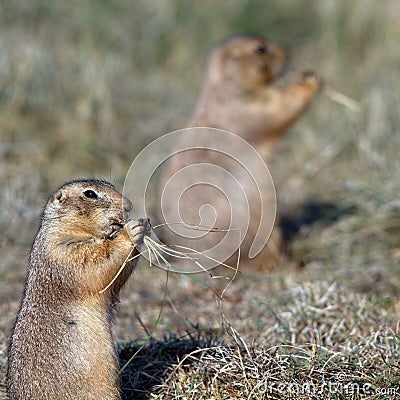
{"x": 239, "y": 96}
{"x": 62, "y": 345}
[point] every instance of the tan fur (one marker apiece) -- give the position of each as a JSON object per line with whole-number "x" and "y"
{"x": 62, "y": 345}
{"x": 238, "y": 96}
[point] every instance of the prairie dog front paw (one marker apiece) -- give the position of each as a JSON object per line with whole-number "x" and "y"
{"x": 137, "y": 230}
{"x": 310, "y": 79}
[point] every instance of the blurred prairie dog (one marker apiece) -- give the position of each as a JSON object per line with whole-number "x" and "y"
{"x": 238, "y": 95}
{"x": 62, "y": 344}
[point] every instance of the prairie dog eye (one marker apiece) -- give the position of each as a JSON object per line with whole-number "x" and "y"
{"x": 90, "y": 194}
{"x": 260, "y": 48}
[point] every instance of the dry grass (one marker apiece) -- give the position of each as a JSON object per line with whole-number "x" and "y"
{"x": 83, "y": 87}
{"x": 286, "y": 372}
{"x": 326, "y": 342}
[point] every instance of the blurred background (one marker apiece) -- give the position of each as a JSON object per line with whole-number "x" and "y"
{"x": 84, "y": 86}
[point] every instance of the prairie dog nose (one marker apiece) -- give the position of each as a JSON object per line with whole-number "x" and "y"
{"x": 126, "y": 206}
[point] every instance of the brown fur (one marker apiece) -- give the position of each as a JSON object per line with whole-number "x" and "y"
{"x": 238, "y": 96}
{"x": 238, "y": 93}
{"x": 62, "y": 344}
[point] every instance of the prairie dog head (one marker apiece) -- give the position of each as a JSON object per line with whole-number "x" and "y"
{"x": 87, "y": 207}
{"x": 247, "y": 62}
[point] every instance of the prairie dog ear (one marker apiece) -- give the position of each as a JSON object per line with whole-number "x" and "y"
{"x": 59, "y": 198}
{"x": 231, "y": 55}
{"x": 230, "y": 64}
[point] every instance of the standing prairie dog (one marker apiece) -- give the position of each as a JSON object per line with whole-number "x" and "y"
{"x": 238, "y": 93}
{"x": 62, "y": 345}
{"x": 238, "y": 96}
